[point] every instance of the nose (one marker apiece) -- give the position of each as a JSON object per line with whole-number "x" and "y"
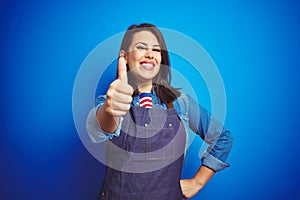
{"x": 149, "y": 53}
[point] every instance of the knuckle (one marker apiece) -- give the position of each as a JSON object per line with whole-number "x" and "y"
{"x": 123, "y": 113}
{"x": 114, "y": 84}
{"x": 108, "y": 110}
{"x": 112, "y": 95}
{"x": 109, "y": 94}
{"x": 109, "y": 102}
{"x": 114, "y": 113}
{"x": 130, "y": 89}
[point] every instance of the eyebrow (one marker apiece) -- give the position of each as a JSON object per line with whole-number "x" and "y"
{"x": 156, "y": 45}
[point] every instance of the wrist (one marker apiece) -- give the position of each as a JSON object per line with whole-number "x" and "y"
{"x": 197, "y": 183}
{"x": 106, "y": 121}
{"x": 202, "y": 176}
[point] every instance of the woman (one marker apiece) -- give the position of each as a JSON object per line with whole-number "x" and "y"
{"x": 147, "y": 118}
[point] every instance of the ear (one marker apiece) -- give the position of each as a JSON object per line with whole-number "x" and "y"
{"x": 123, "y": 54}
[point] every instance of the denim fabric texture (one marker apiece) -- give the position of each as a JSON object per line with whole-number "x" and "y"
{"x": 140, "y": 133}
{"x": 193, "y": 116}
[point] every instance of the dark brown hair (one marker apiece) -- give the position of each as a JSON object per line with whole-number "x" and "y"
{"x": 165, "y": 92}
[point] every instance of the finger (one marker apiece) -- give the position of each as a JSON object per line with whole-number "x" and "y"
{"x": 115, "y": 104}
{"x": 183, "y": 185}
{"x": 120, "y": 86}
{"x": 122, "y": 98}
{"x": 124, "y": 88}
{"x": 117, "y": 113}
{"x": 122, "y": 70}
{"x": 117, "y": 109}
{"x": 120, "y": 106}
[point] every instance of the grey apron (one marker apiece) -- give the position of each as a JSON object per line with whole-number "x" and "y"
{"x": 147, "y": 157}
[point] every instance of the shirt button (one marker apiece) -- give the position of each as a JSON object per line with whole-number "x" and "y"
{"x": 170, "y": 124}
{"x": 146, "y": 124}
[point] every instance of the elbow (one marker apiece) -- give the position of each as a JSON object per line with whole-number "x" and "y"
{"x": 228, "y": 141}
{"x": 230, "y": 138}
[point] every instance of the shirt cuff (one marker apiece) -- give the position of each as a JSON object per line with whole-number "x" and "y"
{"x": 96, "y": 134}
{"x": 212, "y": 162}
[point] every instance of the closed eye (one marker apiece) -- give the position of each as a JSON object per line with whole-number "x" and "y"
{"x": 141, "y": 47}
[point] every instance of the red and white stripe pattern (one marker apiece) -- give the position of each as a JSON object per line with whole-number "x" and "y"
{"x": 145, "y": 100}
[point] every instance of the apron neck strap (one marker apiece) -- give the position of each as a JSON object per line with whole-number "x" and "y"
{"x": 170, "y": 105}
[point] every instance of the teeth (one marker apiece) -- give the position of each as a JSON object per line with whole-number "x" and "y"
{"x": 147, "y": 65}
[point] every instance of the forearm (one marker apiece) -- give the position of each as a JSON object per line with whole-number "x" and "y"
{"x": 202, "y": 176}
{"x": 106, "y": 121}
{"x": 191, "y": 187}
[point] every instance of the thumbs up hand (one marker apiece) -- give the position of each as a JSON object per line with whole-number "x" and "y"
{"x": 119, "y": 92}
{"x": 122, "y": 70}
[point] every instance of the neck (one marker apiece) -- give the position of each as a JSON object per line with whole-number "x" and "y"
{"x": 145, "y": 87}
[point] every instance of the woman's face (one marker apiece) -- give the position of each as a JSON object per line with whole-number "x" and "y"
{"x": 144, "y": 56}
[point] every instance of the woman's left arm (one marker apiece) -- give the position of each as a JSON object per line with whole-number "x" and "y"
{"x": 214, "y": 158}
{"x": 191, "y": 187}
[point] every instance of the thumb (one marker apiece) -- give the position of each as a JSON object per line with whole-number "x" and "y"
{"x": 122, "y": 70}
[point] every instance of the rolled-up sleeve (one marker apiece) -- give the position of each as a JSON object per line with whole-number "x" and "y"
{"x": 95, "y": 132}
{"x": 220, "y": 139}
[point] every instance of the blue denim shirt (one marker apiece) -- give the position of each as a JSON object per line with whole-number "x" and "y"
{"x": 193, "y": 116}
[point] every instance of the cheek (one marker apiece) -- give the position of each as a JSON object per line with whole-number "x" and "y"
{"x": 158, "y": 58}
{"x": 131, "y": 63}
{"x": 133, "y": 59}
{"x": 157, "y": 69}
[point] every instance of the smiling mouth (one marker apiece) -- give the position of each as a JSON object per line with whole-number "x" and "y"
{"x": 147, "y": 65}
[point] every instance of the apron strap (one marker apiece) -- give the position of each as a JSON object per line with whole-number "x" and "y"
{"x": 170, "y": 105}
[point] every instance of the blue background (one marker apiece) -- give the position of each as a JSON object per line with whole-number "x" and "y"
{"x": 255, "y": 45}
